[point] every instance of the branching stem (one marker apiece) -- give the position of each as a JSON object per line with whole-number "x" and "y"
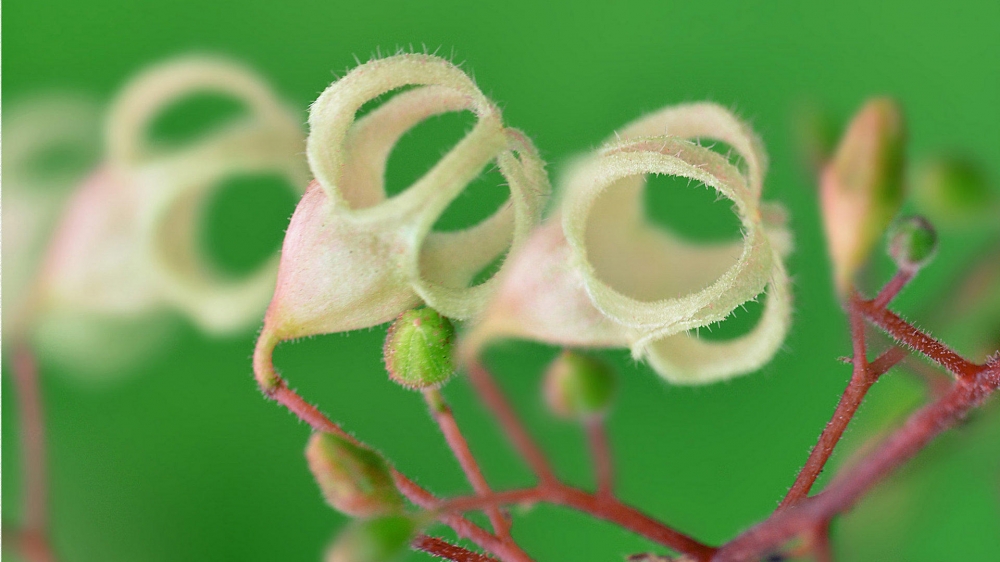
{"x": 442, "y": 414}
{"x": 863, "y": 377}
{"x": 495, "y": 400}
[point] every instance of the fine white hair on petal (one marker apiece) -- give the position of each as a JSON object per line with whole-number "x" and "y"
{"x": 353, "y": 257}
{"x": 599, "y": 274}
{"x": 127, "y": 244}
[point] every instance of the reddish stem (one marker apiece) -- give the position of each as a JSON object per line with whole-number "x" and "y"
{"x": 466, "y": 529}
{"x": 494, "y": 399}
{"x": 893, "y": 287}
{"x": 602, "y": 507}
{"x": 447, "y": 551}
{"x": 32, "y": 539}
{"x": 479, "y": 502}
{"x": 900, "y": 446}
{"x": 614, "y": 511}
{"x": 907, "y": 334}
{"x": 306, "y": 411}
{"x": 507, "y": 551}
{"x": 445, "y": 419}
{"x": 863, "y": 377}
{"x": 821, "y": 545}
{"x": 600, "y": 451}
{"x": 32, "y": 440}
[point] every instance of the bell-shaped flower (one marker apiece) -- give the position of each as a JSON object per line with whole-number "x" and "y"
{"x": 46, "y": 141}
{"x": 599, "y": 274}
{"x": 126, "y": 245}
{"x": 354, "y": 257}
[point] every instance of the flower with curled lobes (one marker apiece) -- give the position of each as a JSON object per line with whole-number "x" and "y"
{"x": 353, "y": 257}
{"x": 595, "y": 274}
{"x": 35, "y": 191}
{"x": 126, "y": 244}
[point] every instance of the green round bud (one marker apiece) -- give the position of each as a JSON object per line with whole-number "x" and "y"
{"x": 954, "y": 190}
{"x": 912, "y": 242}
{"x": 375, "y": 540}
{"x": 578, "y": 386}
{"x": 418, "y": 349}
{"x": 354, "y": 480}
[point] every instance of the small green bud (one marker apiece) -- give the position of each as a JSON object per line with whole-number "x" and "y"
{"x": 375, "y": 540}
{"x": 912, "y": 242}
{"x": 578, "y": 386}
{"x": 353, "y": 479}
{"x": 954, "y": 190}
{"x": 861, "y": 189}
{"x": 418, "y": 349}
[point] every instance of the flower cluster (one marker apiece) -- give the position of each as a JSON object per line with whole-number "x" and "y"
{"x": 595, "y": 273}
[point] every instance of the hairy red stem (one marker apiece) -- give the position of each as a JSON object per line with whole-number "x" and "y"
{"x": 907, "y": 334}
{"x": 863, "y": 377}
{"x": 507, "y": 551}
{"x": 849, "y": 487}
{"x": 444, "y": 549}
{"x": 308, "y": 413}
{"x": 602, "y": 507}
{"x": 445, "y": 419}
{"x": 893, "y": 287}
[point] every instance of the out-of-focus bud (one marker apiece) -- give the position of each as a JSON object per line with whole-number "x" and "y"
{"x": 861, "y": 189}
{"x": 376, "y": 540}
{"x": 418, "y": 349}
{"x": 954, "y": 191}
{"x": 912, "y": 242}
{"x": 354, "y": 480}
{"x": 579, "y": 386}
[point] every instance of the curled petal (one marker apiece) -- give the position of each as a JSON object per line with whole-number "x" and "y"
{"x": 353, "y": 258}
{"x": 127, "y": 243}
{"x": 598, "y": 274}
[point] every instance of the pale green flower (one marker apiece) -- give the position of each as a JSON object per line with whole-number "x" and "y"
{"x": 127, "y": 243}
{"x": 595, "y": 273}
{"x": 355, "y": 258}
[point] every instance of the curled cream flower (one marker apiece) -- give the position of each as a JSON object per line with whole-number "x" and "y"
{"x": 353, "y": 257}
{"x": 126, "y": 245}
{"x": 35, "y": 189}
{"x": 597, "y": 272}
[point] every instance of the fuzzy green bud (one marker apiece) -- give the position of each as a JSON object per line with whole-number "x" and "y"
{"x": 375, "y": 540}
{"x": 578, "y": 386}
{"x": 418, "y": 349}
{"x": 861, "y": 189}
{"x": 912, "y": 242}
{"x": 353, "y": 479}
{"x": 954, "y": 190}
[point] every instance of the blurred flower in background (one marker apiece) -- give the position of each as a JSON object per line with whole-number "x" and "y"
{"x": 101, "y": 265}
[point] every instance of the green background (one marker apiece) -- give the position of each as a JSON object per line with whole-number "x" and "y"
{"x": 181, "y": 459}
